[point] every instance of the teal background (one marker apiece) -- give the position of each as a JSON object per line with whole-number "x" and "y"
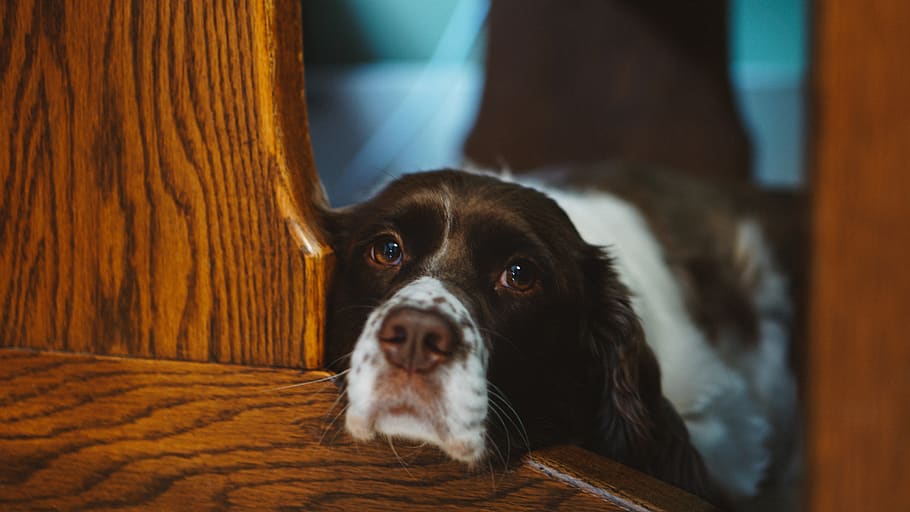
{"x": 344, "y": 32}
{"x": 393, "y": 86}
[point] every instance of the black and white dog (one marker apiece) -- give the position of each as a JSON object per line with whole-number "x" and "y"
{"x": 641, "y": 316}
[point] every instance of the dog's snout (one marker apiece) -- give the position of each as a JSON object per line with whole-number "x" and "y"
{"x": 416, "y": 340}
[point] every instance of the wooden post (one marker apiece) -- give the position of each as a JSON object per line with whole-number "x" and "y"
{"x": 859, "y": 355}
{"x": 156, "y": 182}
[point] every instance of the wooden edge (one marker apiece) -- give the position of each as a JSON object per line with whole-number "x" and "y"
{"x": 319, "y": 263}
{"x": 299, "y": 193}
{"x": 84, "y": 431}
{"x": 221, "y": 410}
{"x": 297, "y": 187}
{"x": 612, "y": 481}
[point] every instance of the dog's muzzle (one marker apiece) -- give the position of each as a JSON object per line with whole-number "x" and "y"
{"x": 418, "y": 371}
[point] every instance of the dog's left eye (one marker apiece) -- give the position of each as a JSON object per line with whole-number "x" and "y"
{"x": 386, "y": 251}
{"x": 520, "y": 276}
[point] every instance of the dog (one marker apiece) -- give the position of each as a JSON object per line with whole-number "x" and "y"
{"x": 632, "y": 312}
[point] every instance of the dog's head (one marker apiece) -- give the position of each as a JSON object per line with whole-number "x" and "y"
{"x": 463, "y": 305}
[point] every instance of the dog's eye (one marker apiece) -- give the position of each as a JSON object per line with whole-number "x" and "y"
{"x": 386, "y": 251}
{"x": 520, "y": 276}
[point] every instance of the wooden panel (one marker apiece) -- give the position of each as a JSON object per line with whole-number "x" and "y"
{"x": 79, "y": 431}
{"x": 859, "y": 384}
{"x": 156, "y": 181}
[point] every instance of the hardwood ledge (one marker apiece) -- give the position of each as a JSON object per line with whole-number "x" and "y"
{"x": 107, "y": 433}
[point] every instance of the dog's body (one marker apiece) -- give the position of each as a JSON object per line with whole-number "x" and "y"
{"x": 465, "y": 305}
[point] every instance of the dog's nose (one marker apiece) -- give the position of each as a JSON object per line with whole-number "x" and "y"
{"x": 416, "y": 340}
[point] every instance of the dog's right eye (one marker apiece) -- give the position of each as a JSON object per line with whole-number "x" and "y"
{"x": 386, "y": 251}
{"x": 519, "y": 276}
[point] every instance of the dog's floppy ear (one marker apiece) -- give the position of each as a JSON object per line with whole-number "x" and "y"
{"x": 615, "y": 336}
{"x": 637, "y": 424}
{"x": 342, "y": 322}
{"x": 334, "y": 223}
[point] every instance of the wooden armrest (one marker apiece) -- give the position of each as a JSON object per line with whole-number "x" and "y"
{"x": 99, "y": 432}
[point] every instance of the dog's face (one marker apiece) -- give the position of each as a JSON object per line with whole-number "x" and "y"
{"x": 473, "y": 316}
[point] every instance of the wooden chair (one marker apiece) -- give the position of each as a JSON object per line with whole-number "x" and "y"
{"x": 162, "y": 278}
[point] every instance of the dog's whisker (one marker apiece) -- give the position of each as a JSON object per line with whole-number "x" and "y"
{"x": 494, "y": 409}
{"x": 338, "y": 360}
{"x": 495, "y": 392}
{"x": 495, "y": 448}
{"x": 335, "y": 416}
{"x": 330, "y": 378}
{"x": 419, "y": 450}
{"x": 490, "y": 462}
{"x": 502, "y": 337}
{"x": 515, "y": 425}
{"x": 337, "y": 401}
{"x": 331, "y": 424}
{"x": 397, "y": 456}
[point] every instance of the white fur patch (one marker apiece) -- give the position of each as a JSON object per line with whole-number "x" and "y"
{"x": 767, "y": 364}
{"x": 728, "y": 424}
{"x": 454, "y": 418}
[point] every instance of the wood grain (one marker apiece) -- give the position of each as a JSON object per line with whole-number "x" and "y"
{"x": 106, "y": 433}
{"x": 157, "y": 183}
{"x": 859, "y": 384}
{"x": 630, "y": 490}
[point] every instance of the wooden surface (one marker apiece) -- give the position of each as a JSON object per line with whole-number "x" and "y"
{"x": 630, "y": 490}
{"x": 108, "y": 433}
{"x": 859, "y": 371}
{"x": 156, "y": 181}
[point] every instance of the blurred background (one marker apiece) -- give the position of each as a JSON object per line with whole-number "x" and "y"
{"x": 714, "y": 88}
{"x": 396, "y": 86}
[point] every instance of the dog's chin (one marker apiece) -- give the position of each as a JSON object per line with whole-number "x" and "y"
{"x": 408, "y": 425}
